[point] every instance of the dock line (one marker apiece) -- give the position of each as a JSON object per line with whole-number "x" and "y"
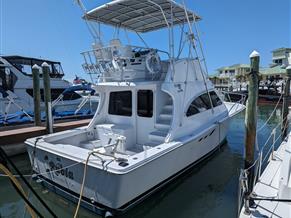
{"x": 31, "y": 209}
{"x": 6, "y": 158}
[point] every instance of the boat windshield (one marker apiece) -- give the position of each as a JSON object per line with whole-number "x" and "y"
{"x": 24, "y": 65}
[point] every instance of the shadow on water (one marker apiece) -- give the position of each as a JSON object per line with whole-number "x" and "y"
{"x": 206, "y": 190}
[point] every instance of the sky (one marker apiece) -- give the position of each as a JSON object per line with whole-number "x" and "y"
{"x": 230, "y": 30}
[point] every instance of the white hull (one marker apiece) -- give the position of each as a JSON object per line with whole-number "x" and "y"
{"x": 112, "y": 190}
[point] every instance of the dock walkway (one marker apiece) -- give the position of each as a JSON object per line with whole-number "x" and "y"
{"x": 270, "y": 185}
{"x": 12, "y": 140}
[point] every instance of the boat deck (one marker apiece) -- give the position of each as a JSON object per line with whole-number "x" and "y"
{"x": 268, "y": 187}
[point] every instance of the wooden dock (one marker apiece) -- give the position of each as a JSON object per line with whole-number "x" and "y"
{"x": 12, "y": 140}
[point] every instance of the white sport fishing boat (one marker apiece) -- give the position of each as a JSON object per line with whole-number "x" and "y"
{"x": 155, "y": 119}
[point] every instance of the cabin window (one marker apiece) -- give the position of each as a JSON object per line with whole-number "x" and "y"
{"x": 192, "y": 110}
{"x": 202, "y": 103}
{"x": 145, "y": 103}
{"x": 215, "y": 99}
{"x": 120, "y": 103}
{"x": 196, "y": 107}
{"x": 206, "y": 100}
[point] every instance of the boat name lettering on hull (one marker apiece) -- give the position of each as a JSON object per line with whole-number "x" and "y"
{"x": 59, "y": 171}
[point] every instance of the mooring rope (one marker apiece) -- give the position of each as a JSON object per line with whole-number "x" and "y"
{"x": 286, "y": 124}
{"x": 267, "y": 121}
{"x": 51, "y": 171}
{"x": 257, "y": 173}
{"x": 31, "y": 209}
{"x": 95, "y": 154}
{"x": 280, "y": 135}
{"x": 5, "y": 157}
{"x": 266, "y": 142}
{"x": 270, "y": 199}
{"x": 92, "y": 153}
{"x": 82, "y": 186}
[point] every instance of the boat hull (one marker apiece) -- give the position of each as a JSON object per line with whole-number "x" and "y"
{"x": 118, "y": 191}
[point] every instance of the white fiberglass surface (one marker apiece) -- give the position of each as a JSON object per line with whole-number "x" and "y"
{"x": 101, "y": 139}
{"x": 234, "y": 108}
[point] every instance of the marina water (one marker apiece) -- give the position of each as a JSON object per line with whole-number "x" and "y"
{"x": 207, "y": 190}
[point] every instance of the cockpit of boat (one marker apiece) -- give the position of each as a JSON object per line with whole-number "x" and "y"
{"x": 126, "y": 119}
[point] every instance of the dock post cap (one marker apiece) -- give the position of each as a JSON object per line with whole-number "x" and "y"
{"x": 35, "y": 67}
{"x": 45, "y": 64}
{"x": 254, "y": 54}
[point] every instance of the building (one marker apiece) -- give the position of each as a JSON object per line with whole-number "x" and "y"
{"x": 230, "y": 74}
{"x": 281, "y": 58}
{"x": 234, "y": 72}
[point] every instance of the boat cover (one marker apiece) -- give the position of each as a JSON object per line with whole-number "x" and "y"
{"x": 140, "y": 16}
{"x": 79, "y": 87}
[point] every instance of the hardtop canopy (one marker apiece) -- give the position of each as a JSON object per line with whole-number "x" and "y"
{"x": 140, "y": 15}
{"x": 28, "y": 60}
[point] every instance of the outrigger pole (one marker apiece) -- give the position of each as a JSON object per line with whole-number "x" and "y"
{"x": 95, "y": 34}
{"x": 192, "y": 41}
{"x": 171, "y": 36}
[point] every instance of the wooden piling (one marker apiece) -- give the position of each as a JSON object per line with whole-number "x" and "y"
{"x": 251, "y": 115}
{"x": 284, "y": 127}
{"x": 47, "y": 97}
{"x": 36, "y": 95}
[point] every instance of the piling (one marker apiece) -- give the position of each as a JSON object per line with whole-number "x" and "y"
{"x": 36, "y": 95}
{"x": 47, "y": 97}
{"x": 284, "y": 127}
{"x": 251, "y": 116}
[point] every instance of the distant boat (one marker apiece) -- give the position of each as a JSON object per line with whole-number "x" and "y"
{"x": 16, "y": 90}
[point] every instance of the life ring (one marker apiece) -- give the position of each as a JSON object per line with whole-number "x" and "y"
{"x": 153, "y": 62}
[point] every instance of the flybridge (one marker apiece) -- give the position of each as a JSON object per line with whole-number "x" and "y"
{"x": 119, "y": 62}
{"x": 141, "y": 16}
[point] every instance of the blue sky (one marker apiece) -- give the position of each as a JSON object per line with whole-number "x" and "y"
{"x": 230, "y": 30}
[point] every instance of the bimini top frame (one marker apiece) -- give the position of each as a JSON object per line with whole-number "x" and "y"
{"x": 141, "y": 16}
